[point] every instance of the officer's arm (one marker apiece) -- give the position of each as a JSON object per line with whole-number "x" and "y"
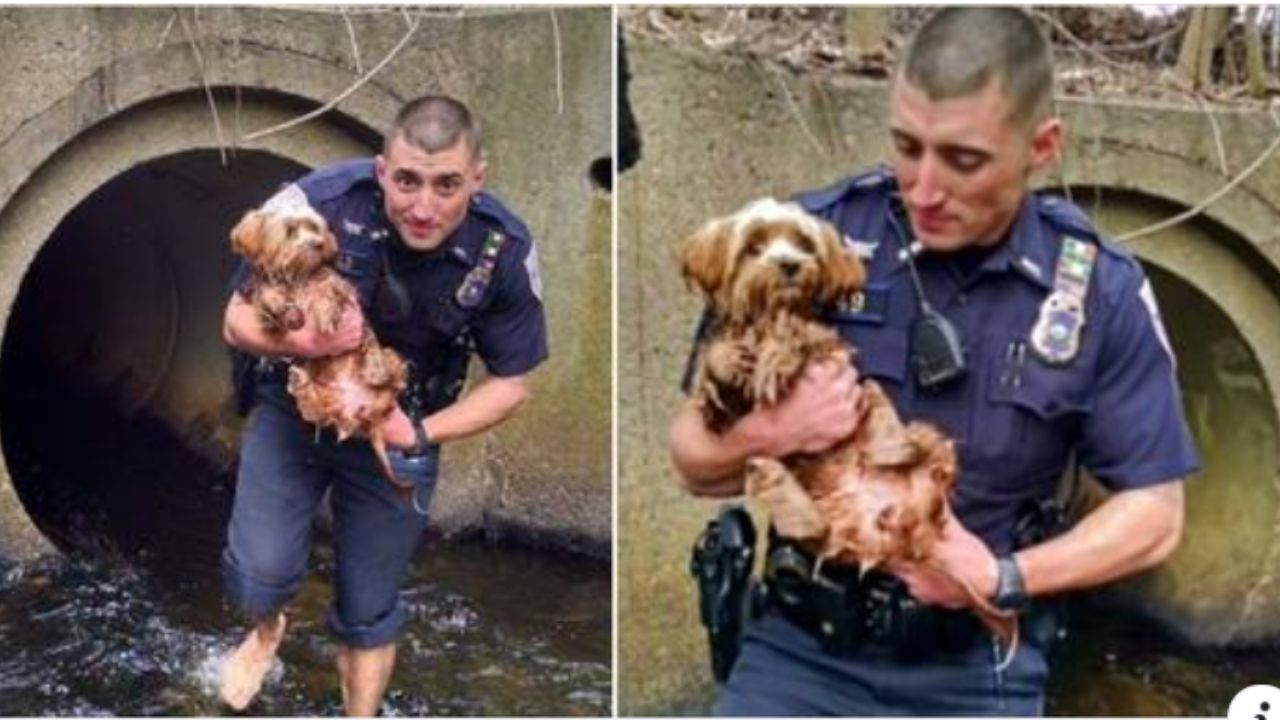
{"x": 710, "y": 465}
{"x": 493, "y": 400}
{"x": 241, "y": 329}
{"x": 1131, "y": 531}
{"x": 821, "y": 410}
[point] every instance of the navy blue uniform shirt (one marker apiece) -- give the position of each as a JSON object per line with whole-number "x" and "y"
{"x": 506, "y": 321}
{"x": 1015, "y": 418}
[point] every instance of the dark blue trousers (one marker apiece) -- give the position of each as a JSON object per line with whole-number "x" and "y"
{"x": 783, "y": 671}
{"x": 285, "y": 469}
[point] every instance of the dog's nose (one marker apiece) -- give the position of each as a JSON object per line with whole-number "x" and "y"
{"x": 789, "y": 267}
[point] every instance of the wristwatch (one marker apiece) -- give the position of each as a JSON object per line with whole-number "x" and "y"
{"x": 1011, "y": 590}
{"x": 421, "y": 440}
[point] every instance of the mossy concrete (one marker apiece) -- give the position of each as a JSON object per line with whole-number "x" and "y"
{"x": 718, "y": 132}
{"x": 89, "y": 93}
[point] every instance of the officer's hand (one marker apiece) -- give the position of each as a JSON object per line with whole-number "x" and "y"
{"x": 820, "y": 411}
{"x": 397, "y": 430}
{"x": 960, "y": 563}
{"x": 310, "y": 342}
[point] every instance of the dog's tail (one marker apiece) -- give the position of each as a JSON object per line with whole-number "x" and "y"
{"x": 403, "y": 489}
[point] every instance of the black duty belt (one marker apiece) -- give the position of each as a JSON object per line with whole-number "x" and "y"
{"x": 845, "y": 610}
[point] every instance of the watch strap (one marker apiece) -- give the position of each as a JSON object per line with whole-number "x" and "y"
{"x": 422, "y": 440}
{"x": 1011, "y": 589}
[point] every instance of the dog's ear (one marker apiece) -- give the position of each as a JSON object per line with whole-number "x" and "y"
{"x": 247, "y": 236}
{"x": 704, "y": 258}
{"x": 842, "y": 273}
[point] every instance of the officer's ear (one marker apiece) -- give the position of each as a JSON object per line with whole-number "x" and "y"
{"x": 248, "y": 235}
{"x": 1046, "y": 143}
{"x": 842, "y": 271}
{"x": 478, "y": 169}
{"x": 704, "y": 257}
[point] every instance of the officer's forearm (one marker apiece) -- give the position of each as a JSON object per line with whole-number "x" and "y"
{"x": 711, "y": 465}
{"x": 1130, "y": 532}
{"x": 495, "y": 399}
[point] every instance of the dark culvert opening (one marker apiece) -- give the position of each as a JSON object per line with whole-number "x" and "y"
{"x": 115, "y": 413}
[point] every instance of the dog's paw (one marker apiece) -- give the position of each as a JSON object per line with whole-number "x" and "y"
{"x": 794, "y": 514}
{"x": 730, "y": 362}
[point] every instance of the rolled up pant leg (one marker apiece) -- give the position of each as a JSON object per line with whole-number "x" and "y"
{"x": 280, "y": 483}
{"x": 376, "y": 532}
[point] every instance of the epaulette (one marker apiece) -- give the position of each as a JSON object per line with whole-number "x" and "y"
{"x": 489, "y": 206}
{"x": 1067, "y": 218}
{"x": 335, "y": 180}
{"x": 815, "y": 201}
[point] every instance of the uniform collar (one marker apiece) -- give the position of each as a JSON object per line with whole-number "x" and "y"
{"x": 462, "y": 245}
{"x": 1027, "y": 251}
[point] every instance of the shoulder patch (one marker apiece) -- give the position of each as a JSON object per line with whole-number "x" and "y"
{"x": 289, "y": 201}
{"x": 334, "y": 180}
{"x": 532, "y": 270}
{"x": 1149, "y": 300}
{"x": 874, "y": 180}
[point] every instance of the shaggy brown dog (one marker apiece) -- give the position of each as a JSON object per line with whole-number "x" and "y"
{"x": 881, "y": 495}
{"x": 293, "y": 282}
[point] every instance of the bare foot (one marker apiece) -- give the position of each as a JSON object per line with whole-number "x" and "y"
{"x": 243, "y": 672}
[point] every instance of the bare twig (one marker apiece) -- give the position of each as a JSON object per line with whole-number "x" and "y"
{"x": 555, "y": 34}
{"x": 1088, "y": 49}
{"x": 168, "y": 26}
{"x": 1144, "y": 44}
{"x": 208, "y": 90}
{"x": 345, "y": 93}
{"x": 1217, "y": 134}
{"x": 355, "y": 47}
{"x": 795, "y": 109}
{"x": 1216, "y": 196}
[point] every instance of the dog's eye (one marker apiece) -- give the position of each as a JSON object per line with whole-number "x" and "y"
{"x": 805, "y": 244}
{"x": 754, "y": 249}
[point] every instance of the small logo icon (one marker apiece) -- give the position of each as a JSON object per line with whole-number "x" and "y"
{"x": 1256, "y": 702}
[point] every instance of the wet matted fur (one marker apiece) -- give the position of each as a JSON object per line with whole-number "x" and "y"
{"x": 293, "y": 281}
{"x": 767, "y": 274}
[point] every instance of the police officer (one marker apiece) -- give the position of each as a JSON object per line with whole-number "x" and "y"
{"x": 442, "y": 268}
{"x": 1052, "y": 347}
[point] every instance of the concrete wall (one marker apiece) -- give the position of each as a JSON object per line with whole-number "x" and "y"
{"x": 89, "y": 93}
{"x": 718, "y": 132}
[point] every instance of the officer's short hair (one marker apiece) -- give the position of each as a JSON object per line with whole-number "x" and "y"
{"x": 433, "y": 123}
{"x": 959, "y": 50}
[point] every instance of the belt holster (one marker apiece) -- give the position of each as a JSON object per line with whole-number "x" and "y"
{"x": 721, "y": 563}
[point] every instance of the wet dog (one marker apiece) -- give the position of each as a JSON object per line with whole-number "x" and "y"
{"x": 878, "y": 497}
{"x": 293, "y": 283}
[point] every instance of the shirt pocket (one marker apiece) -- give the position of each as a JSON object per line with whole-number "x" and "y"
{"x": 444, "y": 321}
{"x": 1025, "y": 423}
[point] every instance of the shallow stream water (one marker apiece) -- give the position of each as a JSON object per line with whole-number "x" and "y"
{"x": 134, "y": 621}
{"x": 493, "y": 632}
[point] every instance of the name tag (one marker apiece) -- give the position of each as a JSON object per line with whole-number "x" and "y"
{"x": 870, "y": 306}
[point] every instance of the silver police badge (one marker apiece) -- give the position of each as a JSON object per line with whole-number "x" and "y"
{"x": 1055, "y": 338}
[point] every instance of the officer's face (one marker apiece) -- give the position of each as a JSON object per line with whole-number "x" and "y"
{"x": 963, "y": 165}
{"x": 426, "y": 194}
